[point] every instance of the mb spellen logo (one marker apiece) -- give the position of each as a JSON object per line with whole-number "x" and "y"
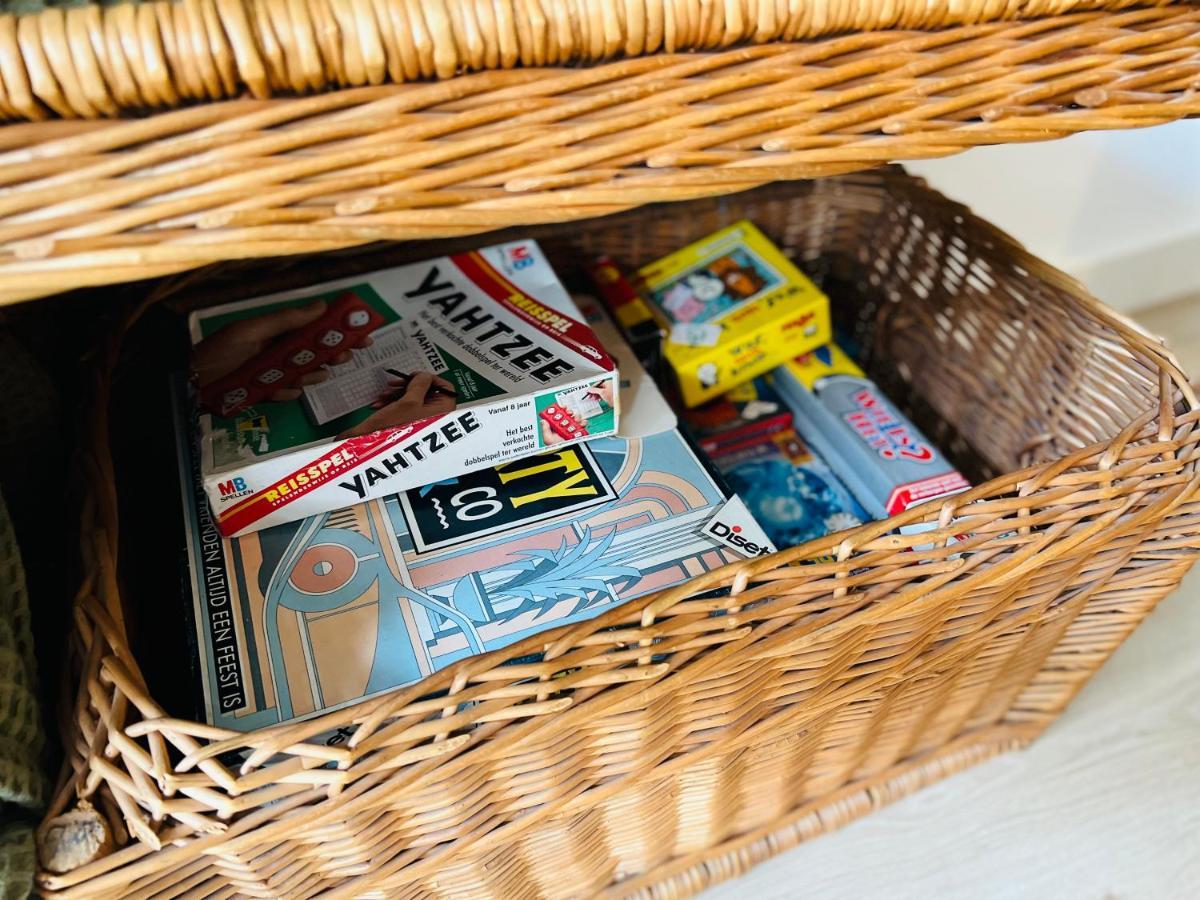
{"x": 234, "y": 487}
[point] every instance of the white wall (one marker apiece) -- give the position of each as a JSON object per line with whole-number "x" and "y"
{"x": 1119, "y": 210}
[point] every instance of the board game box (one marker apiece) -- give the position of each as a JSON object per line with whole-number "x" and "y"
{"x": 792, "y": 494}
{"x": 313, "y": 399}
{"x": 748, "y": 413}
{"x": 882, "y": 457}
{"x": 311, "y": 615}
{"x": 733, "y": 307}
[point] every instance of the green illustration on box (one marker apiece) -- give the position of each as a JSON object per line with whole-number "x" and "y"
{"x": 576, "y": 413}
{"x": 345, "y": 398}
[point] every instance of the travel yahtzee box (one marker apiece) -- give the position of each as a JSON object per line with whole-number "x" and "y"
{"x": 733, "y": 307}
{"x": 308, "y": 616}
{"x": 311, "y": 400}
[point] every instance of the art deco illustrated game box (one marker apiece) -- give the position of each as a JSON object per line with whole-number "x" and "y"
{"x": 311, "y": 615}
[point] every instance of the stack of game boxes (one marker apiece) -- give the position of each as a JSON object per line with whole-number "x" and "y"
{"x": 798, "y": 430}
{"x": 388, "y": 473}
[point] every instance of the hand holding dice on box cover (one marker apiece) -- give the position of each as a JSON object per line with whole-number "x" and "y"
{"x": 271, "y": 357}
{"x": 567, "y": 418}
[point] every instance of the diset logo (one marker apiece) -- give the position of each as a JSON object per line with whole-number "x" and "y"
{"x": 732, "y": 535}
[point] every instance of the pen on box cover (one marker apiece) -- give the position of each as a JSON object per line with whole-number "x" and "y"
{"x": 435, "y": 389}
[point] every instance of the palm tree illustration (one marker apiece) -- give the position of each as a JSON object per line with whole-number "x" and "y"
{"x": 584, "y": 571}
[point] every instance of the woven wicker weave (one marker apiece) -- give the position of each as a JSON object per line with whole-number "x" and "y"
{"x": 22, "y": 783}
{"x": 94, "y": 60}
{"x": 113, "y": 201}
{"x": 680, "y": 738}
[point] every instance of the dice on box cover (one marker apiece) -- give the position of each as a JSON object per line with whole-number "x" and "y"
{"x": 346, "y": 324}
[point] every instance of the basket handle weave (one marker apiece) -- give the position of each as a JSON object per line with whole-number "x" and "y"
{"x": 94, "y": 60}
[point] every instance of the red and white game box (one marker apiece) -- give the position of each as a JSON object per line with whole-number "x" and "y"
{"x": 315, "y": 399}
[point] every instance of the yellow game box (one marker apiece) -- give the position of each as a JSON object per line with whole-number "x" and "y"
{"x": 733, "y": 307}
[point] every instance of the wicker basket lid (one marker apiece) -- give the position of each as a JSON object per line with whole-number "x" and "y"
{"x": 88, "y": 59}
{"x": 105, "y": 201}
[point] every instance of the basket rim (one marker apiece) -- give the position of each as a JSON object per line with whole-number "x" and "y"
{"x": 1162, "y": 425}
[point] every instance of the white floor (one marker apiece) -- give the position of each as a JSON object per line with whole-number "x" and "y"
{"x": 1105, "y": 805}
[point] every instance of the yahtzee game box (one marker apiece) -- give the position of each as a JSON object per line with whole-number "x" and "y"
{"x": 313, "y": 399}
{"x": 311, "y": 615}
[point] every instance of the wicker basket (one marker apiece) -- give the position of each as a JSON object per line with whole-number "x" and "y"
{"x": 119, "y": 199}
{"x": 680, "y": 738}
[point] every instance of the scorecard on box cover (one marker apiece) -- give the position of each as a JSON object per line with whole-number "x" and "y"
{"x": 579, "y": 401}
{"x": 364, "y": 379}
